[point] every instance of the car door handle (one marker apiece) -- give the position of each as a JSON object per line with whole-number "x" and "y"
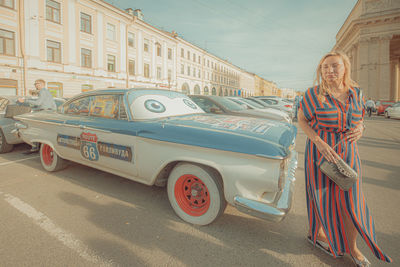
{"x": 82, "y": 127}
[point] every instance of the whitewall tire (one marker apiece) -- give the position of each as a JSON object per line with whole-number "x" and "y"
{"x": 196, "y": 193}
{"x": 50, "y": 160}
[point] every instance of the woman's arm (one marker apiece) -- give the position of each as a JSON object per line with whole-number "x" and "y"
{"x": 322, "y": 147}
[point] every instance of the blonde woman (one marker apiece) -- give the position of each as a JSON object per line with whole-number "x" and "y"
{"x": 329, "y": 112}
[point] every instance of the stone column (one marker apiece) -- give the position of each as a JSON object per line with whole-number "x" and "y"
{"x": 362, "y": 63}
{"x": 384, "y": 67}
{"x": 396, "y": 80}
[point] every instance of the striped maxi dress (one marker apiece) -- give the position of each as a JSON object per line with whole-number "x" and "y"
{"x": 330, "y": 120}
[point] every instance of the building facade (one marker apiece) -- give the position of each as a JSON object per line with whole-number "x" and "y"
{"x": 77, "y": 46}
{"x": 370, "y": 37}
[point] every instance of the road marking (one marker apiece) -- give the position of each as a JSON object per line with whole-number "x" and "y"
{"x": 15, "y": 161}
{"x": 63, "y": 236}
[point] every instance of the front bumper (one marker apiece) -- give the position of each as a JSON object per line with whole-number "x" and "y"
{"x": 277, "y": 210}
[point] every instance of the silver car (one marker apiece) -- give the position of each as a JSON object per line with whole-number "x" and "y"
{"x": 8, "y": 109}
{"x": 393, "y": 111}
{"x": 277, "y": 103}
{"x": 250, "y": 105}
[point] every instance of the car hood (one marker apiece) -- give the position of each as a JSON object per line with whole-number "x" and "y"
{"x": 254, "y": 136}
{"x": 271, "y": 113}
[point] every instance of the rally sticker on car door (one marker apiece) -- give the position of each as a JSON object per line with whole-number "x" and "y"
{"x": 89, "y": 146}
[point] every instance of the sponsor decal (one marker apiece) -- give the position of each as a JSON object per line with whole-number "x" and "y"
{"x": 115, "y": 151}
{"x": 69, "y": 141}
{"x": 89, "y": 146}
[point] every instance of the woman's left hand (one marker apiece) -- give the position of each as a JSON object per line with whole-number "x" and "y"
{"x": 356, "y": 133}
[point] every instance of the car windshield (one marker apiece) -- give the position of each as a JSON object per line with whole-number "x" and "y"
{"x": 387, "y": 103}
{"x": 153, "y": 104}
{"x": 229, "y": 104}
{"x": 3, "y": 103}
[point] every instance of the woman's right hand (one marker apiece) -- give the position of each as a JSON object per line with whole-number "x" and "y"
{"x": 326, "y": 151}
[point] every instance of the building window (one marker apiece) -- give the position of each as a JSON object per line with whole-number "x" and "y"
{"x": 131, "y": 67}
{"x": 55, "y": 88}
{"x": 159, "y": 73}
{"x": 169, "y": 53}
{"x": 146, "y": 70}
{"x": 208, "y": 63}
{"x": 194, "y": 72}
{"x": 111, "y": 63}
{"x": 86, "y": 87}
{"x": 86, "y": 23}
{"x": 182, "y": 52}
{"x": 199, "y": 60}
{"x": 182, "y": 69}
{"x": 198, "y": 74}
{"x": 158, "y": 49}
{"x": 194, "y": 57}
{"x": 110, "y": 32}
{"x": 7, "y": 3}
{"x": 188, "y": 55}
{"x": 131, "y": 39}
{"x": 86, "y": 58}
{"x": 53, "y": 11}
{"x": 53, "y": 51}
{"x": 146, "y": 45}
{"x": 7, "y": 43}
{"x": 188, "y": 70}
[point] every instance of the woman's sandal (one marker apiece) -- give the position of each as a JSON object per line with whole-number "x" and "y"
{"x": 364, "y": 263}
{"x": 323, "y": 246}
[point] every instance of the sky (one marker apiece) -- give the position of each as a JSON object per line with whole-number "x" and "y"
{"x": 279, "y": 40}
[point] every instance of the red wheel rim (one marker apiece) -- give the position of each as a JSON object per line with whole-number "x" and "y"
{"x": 47, "y": 155}
{"x": 192, "y": 195}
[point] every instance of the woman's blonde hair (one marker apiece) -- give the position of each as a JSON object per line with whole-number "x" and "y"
{"x": 347, "y": 81}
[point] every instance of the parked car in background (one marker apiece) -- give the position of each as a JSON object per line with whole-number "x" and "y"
{"x": 8, "y": 109}
{"x": 381, "y": 106}
{"x": 278, "y": 103}
{"x": 393, "y": 111}
{"x": 259, "y": 108}
{"x": 223, "y": 105}
{"x": 161, "y": 137}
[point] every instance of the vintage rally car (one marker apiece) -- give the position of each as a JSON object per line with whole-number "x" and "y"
{"x": 8, "y": 109}
{"x": 160, "y": 137}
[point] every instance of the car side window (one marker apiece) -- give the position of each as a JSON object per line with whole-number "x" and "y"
{"x": 105, "y": 106}
{"x": 78, "y": 107}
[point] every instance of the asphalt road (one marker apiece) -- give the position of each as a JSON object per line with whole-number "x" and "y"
{"x": 83, "y": 217}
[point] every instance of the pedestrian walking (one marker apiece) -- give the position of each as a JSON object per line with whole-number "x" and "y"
{"x": 329, "y": 112}
{"x": 370, "y": 104}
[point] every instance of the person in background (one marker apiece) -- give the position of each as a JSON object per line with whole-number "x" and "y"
{"x": 45, "y": 101}
{"x": 370, "y": 104}
{"x": 330, "y": 113}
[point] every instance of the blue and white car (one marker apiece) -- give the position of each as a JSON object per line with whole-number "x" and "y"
{"x": 160, "y": 137}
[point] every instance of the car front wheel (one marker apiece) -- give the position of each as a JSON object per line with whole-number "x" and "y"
{"x": 50, "y": 160}
{"x": 196, "y": 193}
{"x": 387, "y": 115}
{"x": 4, "y": 146}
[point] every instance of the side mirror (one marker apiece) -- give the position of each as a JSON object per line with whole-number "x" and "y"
{"x": 216, "y": 110}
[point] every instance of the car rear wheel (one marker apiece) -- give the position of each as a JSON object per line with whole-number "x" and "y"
{"x": 196, "y": 193}
{"x": 4, "y": 146}
{"x": 50, "y": 160}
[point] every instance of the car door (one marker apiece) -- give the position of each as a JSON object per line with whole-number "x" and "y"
{"x": 107, "y": 137}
